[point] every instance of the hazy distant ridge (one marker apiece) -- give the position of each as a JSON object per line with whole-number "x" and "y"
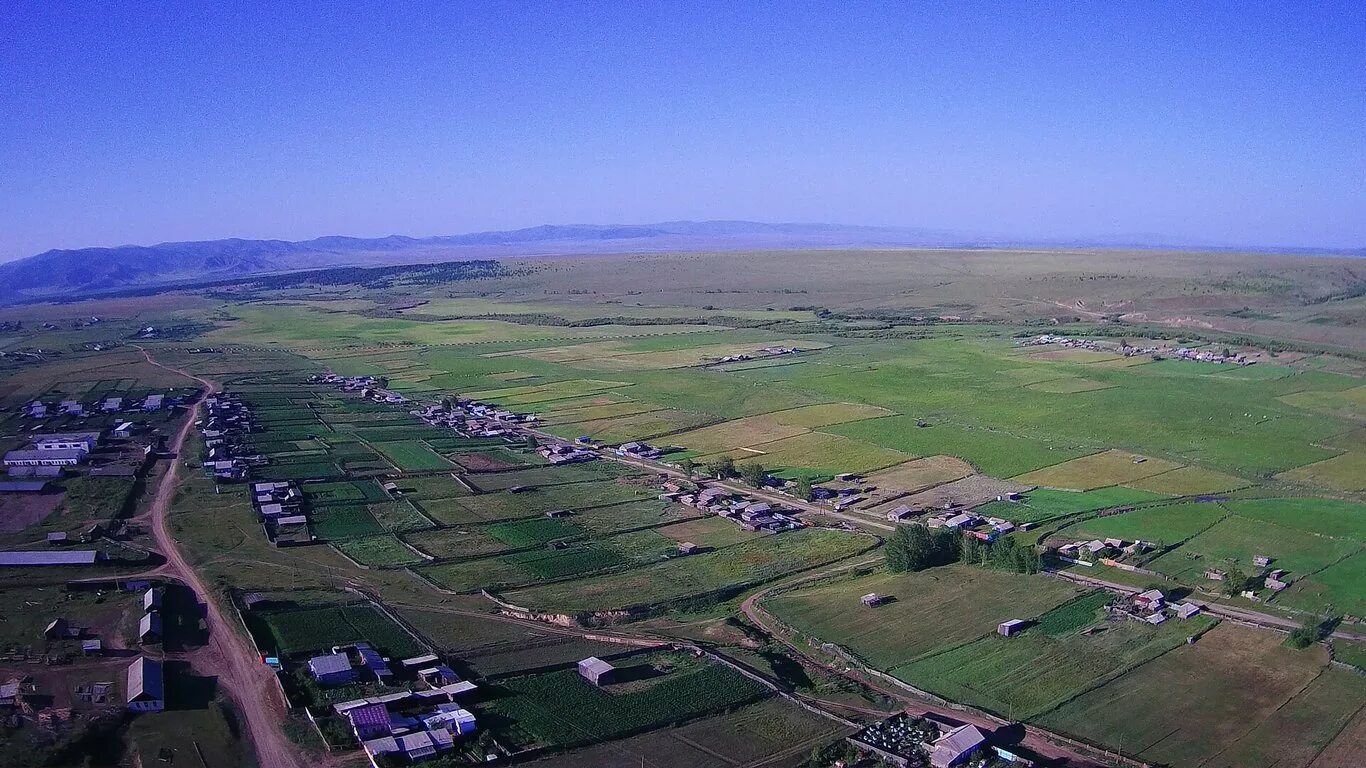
{"x": 86, "y": 270}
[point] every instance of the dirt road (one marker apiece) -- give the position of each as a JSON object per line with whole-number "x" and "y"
{"x": 227, "y": 656}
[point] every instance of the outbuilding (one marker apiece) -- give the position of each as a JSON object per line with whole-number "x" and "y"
{"x": 1011, "y": 628}
{"x": 597, "y": 671}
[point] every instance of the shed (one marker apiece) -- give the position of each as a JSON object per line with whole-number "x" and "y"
{"x": 151, "y": 599}
{"x": 56, "y": 630}
{"x": 149, "y": 628}
{"x": 1187, "y": 610}
{"x": 955, "y": 746}
{"x": 872, "y": 599}
{"x": 686, "y": 548}
{"x": 370, "y": 721}
{"x": 597, "y": 671}
{"x": 36, "y": 557}
{"x": 1011, "y": 628}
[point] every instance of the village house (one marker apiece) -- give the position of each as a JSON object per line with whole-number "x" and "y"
{"x": 1152, "y": 600}
{"x": 331, "y": 669}
{"x": 955, "y": 746}
{"x": 1187, "y": 610}
{"x": 68, "y": 457}
{"x": 146, "y": 686}
{"x": 872, "y": 599}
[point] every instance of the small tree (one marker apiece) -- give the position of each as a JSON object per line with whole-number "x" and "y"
{"x": 688, "y": 467}
{"x": 1308, "y": 633}
{"x": 754, "y": 474}
{"x": 531, "y": 442}
{"x": 721, "y": 469}
{"x": 804, "y": 490}
{"x": 1235, "y": 581}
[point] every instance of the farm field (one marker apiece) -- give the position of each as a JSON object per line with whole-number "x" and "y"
{"x": 564, "y": 710}
{"x": 1189, "y": 481}
{"x": 1046, "y": 503}
{"x": 1097, "y": 471}
{"x": 412, "y": 456}
{"x": 774, "y": 731}
{"x": 1162, "y": 525}
{"x": 912, "y": 476}
{"x": 1217, "y": 694}
{"x": 1238, "y": 540}
{"x": 728, "y": 569}
{"x": 306, "y": 630}
{"x": 816, "y": 453}
{"x": 1030, "y": 674}
{"x": 931, "y": 610}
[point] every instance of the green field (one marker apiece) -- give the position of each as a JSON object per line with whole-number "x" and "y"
{"x": 932, "y": 610}
{"x": 752, "y": 562}
{"x": 1239, "y": 539}
{"x": 1164, "y": 525}
{"x": 412, "y": 456}
{"x": 1046, "y": 503}
{"x": 562, "y": 709}
{"x": 378, "y": 552}
{"x": 318, "y": 629}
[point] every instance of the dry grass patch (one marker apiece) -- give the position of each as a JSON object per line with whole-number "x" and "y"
{"x": 1075, "y": 355}
{"x": 920, "y": 474}
{"x": 831, "y": 454}
{"x": 738, "y": 433}
{"x": 826, "y": 414}
{"x": 1344, "y": 473}
{"x": 1189, "y": 481}
{"x": 970, "y": 491}
{"x": 1097, "y": 471}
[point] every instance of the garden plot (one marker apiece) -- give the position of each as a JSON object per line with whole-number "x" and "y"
{"x": 344, "y": 521}
{"x": 707, "y": 532}
{"x": 929, "y": 611}
{"x": 738, "y": 433}
{"x": 594, "y": 412}
{"x": 1325, "y": 517}
{"x": 413, "y": 456}
{"x": 379, "y": 551}
{"x": 1097, "y": 471}
{"x": 1213, "y": 694}
{"x": 563, "y": 709}
{"x": 550, "y": 476}
{"x": 308, "y": 630}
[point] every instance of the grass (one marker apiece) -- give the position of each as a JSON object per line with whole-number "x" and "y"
{"x": 827, "y": 414}
{"x": 491, "y": 507}
{"x": 1301, "y": 729}
{"x": 820, "y": 454}
{"x": 412, "y": 456}
{"x": 562, "y": 709}
{"x": 1046, "y": 503}
{"x": 534, "y": 532}
{"x": 1189, "y": 481}
{"x": 739, "y": 433}
{"x": 1097, "y": 471}
{"x": 640, "y": 426}
{"x": 1165, "y": 525}
{"x": 204, "y": 737}
{"x": 1326, "y": 517}
{"x": 1239, "y": 539}
{"x": 712, "y": 532}
{"x": 1033, "y": 672}
{"x": 933, "y": 610}
{"x": 1337, "y": 589}
{"x": 1344, "y": 473}
{"x": 995, "y": 453}
{"x": 729, "y": 569}
{"x": 1213, "y": 694}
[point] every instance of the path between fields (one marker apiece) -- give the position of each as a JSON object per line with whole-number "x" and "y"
{"x": 250, "y": 684}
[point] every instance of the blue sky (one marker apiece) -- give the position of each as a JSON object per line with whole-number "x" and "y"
{"x": 1231, "y": 123}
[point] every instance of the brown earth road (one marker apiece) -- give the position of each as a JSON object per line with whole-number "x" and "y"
{"x": 250, "y": 684}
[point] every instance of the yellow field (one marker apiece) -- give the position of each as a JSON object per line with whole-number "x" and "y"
{"x": 815, "y": 416}
{"x": 601, "y": 411}
{"x": 820, "y": 451}
{"x": 740, "y": 433}
{"x": 920, "y": 474}
{"x": 615, "y": 356}
{"x": 1344, "y": 473}
{"x": 1188, "y": 481}
{"x": 1096, "y": 471}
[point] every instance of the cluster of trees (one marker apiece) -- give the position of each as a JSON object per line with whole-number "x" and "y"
{"x": 1001, "y": 554}
{"x": 916, "y": 547}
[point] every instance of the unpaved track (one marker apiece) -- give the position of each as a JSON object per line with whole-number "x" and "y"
{"x": 241, "y": 675}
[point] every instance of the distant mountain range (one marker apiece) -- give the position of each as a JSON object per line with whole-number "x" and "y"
{"x": 94, "y": 270}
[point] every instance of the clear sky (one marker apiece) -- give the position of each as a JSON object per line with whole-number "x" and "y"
{"x": 135, "y": 122}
